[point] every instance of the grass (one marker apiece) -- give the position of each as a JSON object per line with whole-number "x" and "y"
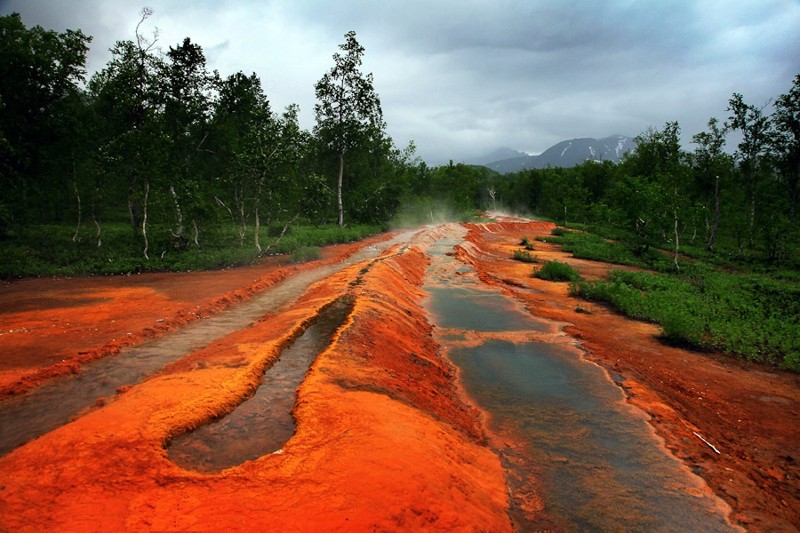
{"x": 584, "y": 245}
{"x": 748, "y": 315}
{"x": 748, "y": 311}
{"x": 48, "y": 250}
{"x": 556, "y": 271}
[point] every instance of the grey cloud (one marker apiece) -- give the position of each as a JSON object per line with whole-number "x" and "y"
{"x": 464, "y": 77}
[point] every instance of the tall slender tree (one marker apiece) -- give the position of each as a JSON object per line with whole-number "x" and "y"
{"x": 128, "y": 96}
{"x": 755, "y": 128}
{"x": 348, "y": 108}
{"x": 711, "y": 162}
{"x": 190, "y": 91}
{"x": 40, "y": 74}
{"x": 787, "y": 142}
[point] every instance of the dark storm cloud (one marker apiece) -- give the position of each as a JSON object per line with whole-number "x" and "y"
{"x": 464, "y": 77}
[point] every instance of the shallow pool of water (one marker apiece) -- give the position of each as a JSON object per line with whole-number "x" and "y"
{"x": 263, "y": 423}
{"x": 593, "y": 459}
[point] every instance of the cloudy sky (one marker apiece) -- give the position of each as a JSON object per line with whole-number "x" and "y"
{"x": 464, "y": 77}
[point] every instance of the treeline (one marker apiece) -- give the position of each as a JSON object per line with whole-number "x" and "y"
{"x": 744, "y": 203}
{"x": 158, "y": 141}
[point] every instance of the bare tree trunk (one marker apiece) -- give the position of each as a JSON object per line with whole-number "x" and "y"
{"x": 78, "y": 198}
{"x": 715, "y": 225}
{"x": 677, "y": 234}
{"x": 339, "y": 190}
{"x": 95, "y": 199}
{"x": 144, "y": 217}
{"x": 178, "y": 212}
{"x": 283, "y": 232}
{"x": 257, "y": 231}
{"x": 258, "y": 214}
{"x": 677, "y": 239}
{"x": 195, "y": 233}
{"x": 241, "y": 227}
{"x": 97, "y": 227}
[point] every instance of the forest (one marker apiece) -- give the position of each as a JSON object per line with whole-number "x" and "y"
{"x": 186, "y": 159}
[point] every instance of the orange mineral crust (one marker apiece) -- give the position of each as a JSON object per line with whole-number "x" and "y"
{"x": 50, "y": 326}
{"x": 384, "y": 438}
{"x": 749, "y": 413}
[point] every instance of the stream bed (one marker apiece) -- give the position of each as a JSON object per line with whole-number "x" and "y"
{"x": 263, "y": 423}
{"x": 592, "y": 458}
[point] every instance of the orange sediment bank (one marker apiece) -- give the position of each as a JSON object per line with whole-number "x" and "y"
{"x": 50, "y": 327}
{"x": 750, "y": 414}
{"x": 384, "y": 438}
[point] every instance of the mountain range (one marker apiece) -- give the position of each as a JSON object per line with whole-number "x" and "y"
{"x": 564, "y": 154}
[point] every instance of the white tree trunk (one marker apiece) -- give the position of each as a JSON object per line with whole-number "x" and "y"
{"x": 339, "y": 190}
{"x": 144, "y": 217}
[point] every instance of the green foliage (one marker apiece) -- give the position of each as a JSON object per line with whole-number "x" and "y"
{"x": 584, "y": 245}
{"x": 48, "y": 250}
{"x": 527, "y": 243}
{"x": 556, "y": 271}
{"x": 752, "y": 316}
{"x": 305, "y": 254}
{"x": 524, "y": 256}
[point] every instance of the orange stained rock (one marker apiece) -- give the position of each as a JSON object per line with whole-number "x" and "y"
{"x": 750, "y": 413}
{"x": 384, "y": 439}
{"x": 50, "y": 326}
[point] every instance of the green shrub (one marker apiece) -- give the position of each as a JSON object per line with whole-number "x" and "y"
{"x": 527, "y": 243}
{"x": 306, "y": 253}
{"x": 556, "y": 271}
{"x": 524, "y": 256}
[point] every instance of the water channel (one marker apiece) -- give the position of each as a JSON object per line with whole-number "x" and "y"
{"x": 54, "y": 404}
{"x": 593, "y": 459}
{"x": 263, "y": 423}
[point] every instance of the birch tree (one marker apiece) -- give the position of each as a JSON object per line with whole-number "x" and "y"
{"x": 348, "y": 108}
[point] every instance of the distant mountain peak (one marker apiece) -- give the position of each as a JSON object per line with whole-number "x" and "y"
{"x": 499, "y": 154}
{"x": 565, "y": 154}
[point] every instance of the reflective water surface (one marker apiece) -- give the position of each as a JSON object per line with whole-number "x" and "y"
{"x": 263, "y": 423}
{"x": 592, "y": 458}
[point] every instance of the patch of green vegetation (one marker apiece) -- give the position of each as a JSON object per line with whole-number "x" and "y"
{"x": 306, "y": 253}
{"x": 48, "y": 250}
{"x": 591, "y": 246}
{"x": 527, "y": 243}
{"x": 556, "y": 271}
{"x": 752, "y": 316}
{"x": 524, "y": 256}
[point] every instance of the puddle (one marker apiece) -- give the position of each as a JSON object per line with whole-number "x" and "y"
{"x": 592, "y": 458}
{"x": 54, "y": 404}
{"x": 473, "y": 309}
{"x": 263, "y": 423}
